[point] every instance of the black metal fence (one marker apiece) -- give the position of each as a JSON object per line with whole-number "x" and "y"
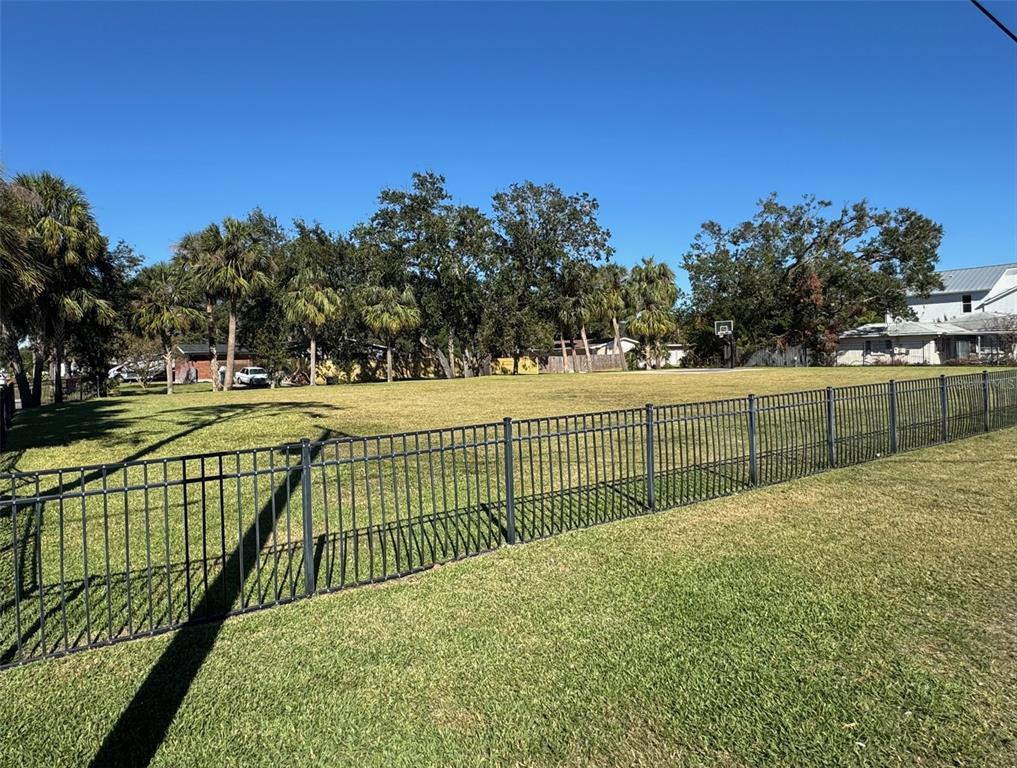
{"x": 95, "y": 555}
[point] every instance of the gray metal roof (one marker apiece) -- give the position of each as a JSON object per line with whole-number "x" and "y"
{"x": 200, "y": 351}
{"x": 969, "y": 325}
{"x": 972, "y": 279}
{"x": 985, "y": 321}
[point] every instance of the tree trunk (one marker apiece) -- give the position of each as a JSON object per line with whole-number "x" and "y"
{"x": 564, "y": 356}
{"x": 388, "y": 363}
{"x": 442, "y": 360}
{"x": 58, "y": 349}
{"x": 39, "y": 362}
{"x": 231, "y": 349}
{"x": 314, "y": 362}
{"x": 451, "y": 356}
{"x": 586, "y": 346}
{"x": 575, "y": 357}
{"x": 168, "y": 356}
{"x": 617, "y": 335}
{"x": 13, "y": 355}
{"x": 515, "y": 363}
{"x": 213, "y": 354}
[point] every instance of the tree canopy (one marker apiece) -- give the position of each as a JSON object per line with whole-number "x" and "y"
{"x": 801, "y": 274}
{"x": 440, "y": 286}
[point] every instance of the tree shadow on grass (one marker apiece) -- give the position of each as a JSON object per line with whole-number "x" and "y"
{"x": 30, "y": 527}
{"x": 142, "y": 726}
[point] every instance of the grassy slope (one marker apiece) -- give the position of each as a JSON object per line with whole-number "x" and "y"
{"x": 196, "y": 420}
{"x": 848, "y": 618}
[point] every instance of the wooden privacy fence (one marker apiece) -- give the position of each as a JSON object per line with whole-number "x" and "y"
{"x": 94, "y": 555}
{"x": 580, "y": 364}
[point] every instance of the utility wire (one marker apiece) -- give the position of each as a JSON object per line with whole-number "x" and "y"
{"x": 994, "y": 20}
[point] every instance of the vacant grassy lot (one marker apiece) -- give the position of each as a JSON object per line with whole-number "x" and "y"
{"x": 866, "y": 616}
{"x": 194, "y": 420}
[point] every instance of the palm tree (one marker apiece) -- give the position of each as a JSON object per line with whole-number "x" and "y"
{"x": 237, "y": 264}
{"x": 609, "y": 298}
{"x": 69, "y": 245}
{"x": 652, "y": 296}
{"x": 23, "y": 274}
{"x": 197, "y": 254}
{"x": 389, "y": 313}
{"x": 161, "y": 312}
{"x": 309, "y": 302}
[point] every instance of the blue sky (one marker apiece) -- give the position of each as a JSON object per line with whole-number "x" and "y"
{"x": 171, "y": 115}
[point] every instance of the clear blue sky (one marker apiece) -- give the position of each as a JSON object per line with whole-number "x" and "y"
{"x": 171, "y": 115}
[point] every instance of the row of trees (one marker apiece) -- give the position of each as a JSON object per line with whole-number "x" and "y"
{"x": 440, "y": 286}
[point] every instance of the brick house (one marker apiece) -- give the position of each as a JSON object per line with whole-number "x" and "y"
{"x": 197, "y": 355}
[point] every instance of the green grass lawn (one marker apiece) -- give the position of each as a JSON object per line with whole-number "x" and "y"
{"x": 146, "y": 424}
{"x": 862, "y": 617}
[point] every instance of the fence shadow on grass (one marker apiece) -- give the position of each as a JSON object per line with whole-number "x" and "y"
{"x": 142, "y": 726}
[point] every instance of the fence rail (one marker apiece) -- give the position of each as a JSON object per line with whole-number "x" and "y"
{"x": 99, "y": 554}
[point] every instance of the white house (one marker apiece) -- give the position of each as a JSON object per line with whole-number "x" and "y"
{"x": 976, "y": 337}
{"x": 971, "y": 290}
{"x": 973, "y": 318}
{"x": 675, "y": 349}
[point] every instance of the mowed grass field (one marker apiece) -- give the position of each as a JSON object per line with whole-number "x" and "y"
{"x": 147, "y": 424}
{"x": 867, "y": 616}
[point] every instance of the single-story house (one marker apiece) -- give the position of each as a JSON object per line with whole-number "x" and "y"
{"x": 198, "y": 356}
{"x": 975, "y": 337}
{"x": 675, "y": 350}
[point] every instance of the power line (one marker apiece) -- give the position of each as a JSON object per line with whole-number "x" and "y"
{"x": 994, "y": 20}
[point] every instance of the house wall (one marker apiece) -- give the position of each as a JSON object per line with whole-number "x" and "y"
{"x": 205, "y": 366}
{"x": 944, "y": 307}
{"x": 908, "y": 350}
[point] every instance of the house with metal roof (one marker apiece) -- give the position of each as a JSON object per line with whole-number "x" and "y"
{"x": 967, "y": 291}
{"x": 978, "y": 337}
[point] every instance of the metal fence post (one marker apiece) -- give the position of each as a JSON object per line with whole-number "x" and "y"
{"x": 650, "y": 468}
{"x": 831, "y": 427}
{"x": 510, "y": 492}
{"x": 986, "y": 408}
{"x": 893, "y": 416}
{"x": 944, "y": 408}
{"x": 753, "y": 448}
{"x": 305, "y": 482}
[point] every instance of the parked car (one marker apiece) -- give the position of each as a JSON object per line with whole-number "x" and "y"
{"x": 155, "y": 370}
{"x": 251, "y": 377}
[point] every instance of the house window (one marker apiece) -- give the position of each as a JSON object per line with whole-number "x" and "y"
{"x": 966, "y": 302}
{"x": 868, "y": 347}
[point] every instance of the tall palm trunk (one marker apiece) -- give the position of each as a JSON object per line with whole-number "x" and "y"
{"x": 39, "y": 361}
{"x": 451, "y": 356}
{"x": 231, "y": 348}
{"x": 58, "y": 359}
{"x": 564, "y": 355}
{"x": 168, "y": 358}
{"x": 213, "y": 353}
{"x": 586, "y": 346}
{"x": 617, "y": 334}
{"x": 388, "y": 362}
{"x": 314, "y": 362}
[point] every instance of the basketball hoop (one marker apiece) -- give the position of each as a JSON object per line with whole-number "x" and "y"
{"x": 723, "y": 327}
